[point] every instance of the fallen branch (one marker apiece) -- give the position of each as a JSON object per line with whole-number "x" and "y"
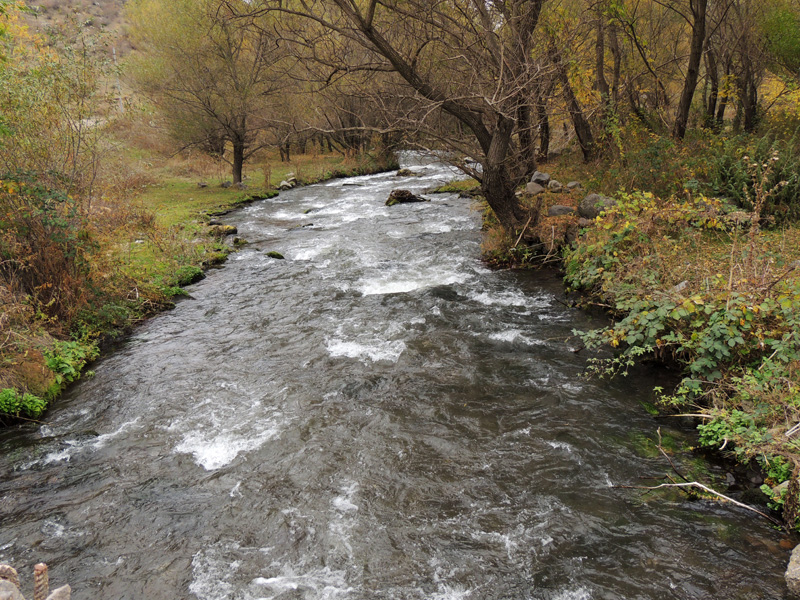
{"x": 708, "y": 490}
{"x": 521, "y": 233}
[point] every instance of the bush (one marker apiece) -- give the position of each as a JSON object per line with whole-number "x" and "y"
{"x": 774, "y": 163}
{"x": 15, "y": 405}
{"x": 42, "y": 244}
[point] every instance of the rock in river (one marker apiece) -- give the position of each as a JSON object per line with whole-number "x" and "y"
{"x": 403, "y": 197}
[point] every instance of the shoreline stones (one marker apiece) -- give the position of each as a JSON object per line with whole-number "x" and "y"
{"x": 793, "y": 574}
{"x": 541, "y": 178}
{"x": 406, "y": 173}
{"x": 534, "y": 189}
{"x": 403, "y": 197}
{"x": 558, "y": 210}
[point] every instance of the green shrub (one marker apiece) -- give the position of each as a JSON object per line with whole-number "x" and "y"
{"x": 15, "y": 405}
{"x": 742, "y": 164}
{"x": 67, "y": 359}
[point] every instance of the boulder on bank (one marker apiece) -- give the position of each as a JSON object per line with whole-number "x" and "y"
{"x": 558, "y": 210}
{"x": 541, "y": 178}
{"x": 407, "y": 173}
{"x": 276, "y": 255}
{"x": 793, "y": 574}
{"x": 555, "y": 186}
{"x": 593, "y": 204}
{"x": 534, "y": 189}
{"x": 285, "y": 185}
{"x": 403, "y": 197}
{"x": 574, "y": 185}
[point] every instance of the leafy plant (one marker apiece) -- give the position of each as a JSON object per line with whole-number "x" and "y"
{"x": 14, "y": 404}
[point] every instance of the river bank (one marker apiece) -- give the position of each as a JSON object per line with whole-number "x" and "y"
{"x": 704, "y": 284}
{"x": 138, "y": 255}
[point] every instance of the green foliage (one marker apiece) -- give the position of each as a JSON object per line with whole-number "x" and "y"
{"x": 14, "y": 404}
{"x": 743, "y": 164}
{"x": 67, "y": 359}
{"x": 188, "y": 274}
{"x": 780, "y": 28}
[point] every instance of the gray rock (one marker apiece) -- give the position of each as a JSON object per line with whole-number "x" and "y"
{"x": 574, "y": 185}
{"x": 559, "y": 211}
{"x": 285, "y": 185}
{"x": 240, "y": 186}
{"x": 8, "y": 591}
{"x": 202, "y": 184}
{"x": 793, "y": 573}
{"x": 583, "y": 222}
{"x": 403, "y": 197}
{"x": 62, "y": 593}
{"x": 555, "y": 186}
{"x": 593, "y": 204}
{"x": 540, "y": 178}
{"x": 226, "y": 184}
{"x": 534, "y": 189}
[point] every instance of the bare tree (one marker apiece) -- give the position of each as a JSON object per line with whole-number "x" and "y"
{"x": 210, "y": 72}
{"x": 464, "y": 70}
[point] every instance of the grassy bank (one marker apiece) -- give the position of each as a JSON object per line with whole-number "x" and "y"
{"x": 700, "y": 272}
{"x": 82, "y": 273}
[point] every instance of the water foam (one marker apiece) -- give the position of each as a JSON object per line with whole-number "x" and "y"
{"x": 375, "y": 351}
{"x": 213, "y": 450}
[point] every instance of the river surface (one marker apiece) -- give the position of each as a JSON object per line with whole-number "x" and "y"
{"x": 378, "y": 416}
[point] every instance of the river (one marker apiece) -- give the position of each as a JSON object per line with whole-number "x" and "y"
{"x": 378, "y": 416}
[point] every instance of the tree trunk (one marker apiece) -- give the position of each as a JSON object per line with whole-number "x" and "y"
{"x": 601, "y": 85}
{"x": 583, "y": 130}
{"x": 693, "y": 69}
{"x": 544, "y": 128}
{"x": 496, "y": 183}
{"x": 723, "y": 101}
{"x": 526, "y": 139}
{"x": 713, "y": 78}
{"x": 613, "y": 43}
{"x": 238, "y": 159}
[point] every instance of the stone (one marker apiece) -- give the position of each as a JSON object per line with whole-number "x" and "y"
{"x": 593, "y": 204}
{"x": 583, "y": 222}
{"x": 574, "y": 185}
{"x": 226, "y": 184}
{"x": 407, "y": 173}
{"x": 534, "y": 189}
{"x": 285, "y": 185}
{"x": 559, "y": 211}
{"x": 793, "y": 573}
{"x": 403, "y": 197}
{"x": 62, "y": 593}
{"x": 202, "y": 184}
{"x": 277, "y": 255}
{"x": 222, "y": 230}
{"x": 540, "y": 178}
{"x": 555, "y": 186}
{"x": 240, "y": 186}
{"x": 8, "y": 591}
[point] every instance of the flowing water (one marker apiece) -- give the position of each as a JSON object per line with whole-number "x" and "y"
{"x": 377, "y": 416}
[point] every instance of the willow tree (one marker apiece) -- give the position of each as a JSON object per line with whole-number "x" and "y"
{"x": 210, "y": 72}
{"x": 464, "y": 70}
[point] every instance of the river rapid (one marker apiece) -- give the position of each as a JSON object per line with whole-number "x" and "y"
{"x": 378, "y": 416}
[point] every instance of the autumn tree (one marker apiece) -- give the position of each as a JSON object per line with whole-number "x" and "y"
{"x": 469, "y": 61}
{"x": 210, "y": 72}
